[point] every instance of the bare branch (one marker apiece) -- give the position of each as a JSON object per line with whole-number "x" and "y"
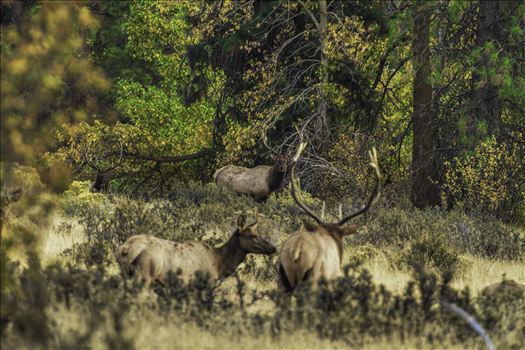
{"x": 316, "y": 23}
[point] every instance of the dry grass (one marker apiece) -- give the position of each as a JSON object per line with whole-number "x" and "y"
{"x": 382, "y": 273}
{"x": 476, "y": 274}
{"x": 62, "y": 234}
{"x": 482, "y": 272}
{"x": 151, "y": 331}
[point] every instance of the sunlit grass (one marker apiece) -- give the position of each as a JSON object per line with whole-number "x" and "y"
{"x": 150, "y": 330}
{"x": 61, "y": 235}
{"x": 477, "y": 272}
{"x": 483, "y": 272}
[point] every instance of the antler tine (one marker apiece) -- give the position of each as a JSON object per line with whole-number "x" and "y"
{"x": 307, "y": 210}
{"x": 265, "y": 143}
{"x": 121, "y": 155}
{"x": 86, "y": 157}
{"x": 374, "y": 164}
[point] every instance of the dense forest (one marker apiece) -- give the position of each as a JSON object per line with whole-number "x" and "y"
{"x": 121, "y": 118}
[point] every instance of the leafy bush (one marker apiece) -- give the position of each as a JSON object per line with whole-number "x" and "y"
{"x": 360, "y": 254}
{"x": 490, "y": 180}
{"x": 78, "y": 197}
{"x": 203, "y": 211}
{"x": 353, "y": 309}
{"x": 503, "y": 312}
{"x": 481, "y": 235}
{"x": 349, "y": 155}
{"x": 432, "y": 251}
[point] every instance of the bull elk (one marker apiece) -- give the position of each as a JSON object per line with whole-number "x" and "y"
{"x": 103, "y": 173}
{"x": 153, "y": 259}
{"x": 259, "y": 182}
{"x": 316, "y": 251}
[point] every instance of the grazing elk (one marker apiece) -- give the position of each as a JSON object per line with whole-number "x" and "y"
{"x": 258, "y": 182}
{"x": 316, "y": 251}
{"x": 153, "y": 259}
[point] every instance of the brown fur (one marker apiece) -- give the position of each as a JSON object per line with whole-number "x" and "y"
{"x": 316, "y": 251}
{"x": 153, "y": 259}
{"x": 313, "y": 254}
{"x": 259, "y": 182}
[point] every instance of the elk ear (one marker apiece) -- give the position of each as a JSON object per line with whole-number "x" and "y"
{"x": 253, "y": 226}
{"x": 309, "y": 226}
{"x": 350, "y": 229}
{"x": 249, "y": 230}
{"x": 241, "y": 221}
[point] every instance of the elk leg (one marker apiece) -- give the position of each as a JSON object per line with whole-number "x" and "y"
{"x": 283, "y": 279}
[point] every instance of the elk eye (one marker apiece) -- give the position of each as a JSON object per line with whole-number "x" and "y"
{"x": 248, "y": 234}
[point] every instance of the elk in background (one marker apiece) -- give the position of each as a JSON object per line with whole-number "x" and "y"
{"x": 153, "y": 259}
{"x": 258, "y": 182}
{"x": 103, "y": 174}
{"x": 316, "y": 251}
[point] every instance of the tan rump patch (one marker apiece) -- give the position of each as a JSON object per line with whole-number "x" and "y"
{"x": 296, "y": 251}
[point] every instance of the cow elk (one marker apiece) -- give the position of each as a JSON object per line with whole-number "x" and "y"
{"x": 153, "y": 259}
{"x": 316, "y": 251}
{"x": 258, "y": 182}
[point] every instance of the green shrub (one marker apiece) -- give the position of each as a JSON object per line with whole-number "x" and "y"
{"x": 432, "y": 252}
{"x": 503, "y": 315}
{"x": 490, "y": 180}
{"x": 397, "y": 226}
{"x": 353, "y": 309}
{"x": 360, "y": 254}
{"x": 79, "y": 197}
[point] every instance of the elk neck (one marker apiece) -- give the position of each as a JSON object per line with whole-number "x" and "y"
{"x": 338, "y": 241}
{"x": 229, "y": 256}
{"x": 275, "y": 177}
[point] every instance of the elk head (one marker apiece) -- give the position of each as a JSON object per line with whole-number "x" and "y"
{"x": 249, "y": 241}
{"x": 103, "y": 176}
{"x": 337, "y": 229}
{"x": 281, "y": 163}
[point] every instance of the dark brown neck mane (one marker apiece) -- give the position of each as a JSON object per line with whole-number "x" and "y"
{"x": 230, "y": 256}
{"x": 275, "y": 177}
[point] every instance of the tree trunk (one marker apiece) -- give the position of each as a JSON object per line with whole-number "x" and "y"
{"x": 424, "y": 188}
{"x": 323, "y": 106}
{"x": 486, "y": 102}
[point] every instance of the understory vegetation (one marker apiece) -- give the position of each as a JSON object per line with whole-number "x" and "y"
{"x": 118, "y": 116}
{"x": 78, "y": 297}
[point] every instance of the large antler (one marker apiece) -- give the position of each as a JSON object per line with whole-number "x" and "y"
{"x": 265, "y": 143}
{"x": 107, "y": 153}
{"x": 307, "y": 210}
{"x": 372, "y": 154}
